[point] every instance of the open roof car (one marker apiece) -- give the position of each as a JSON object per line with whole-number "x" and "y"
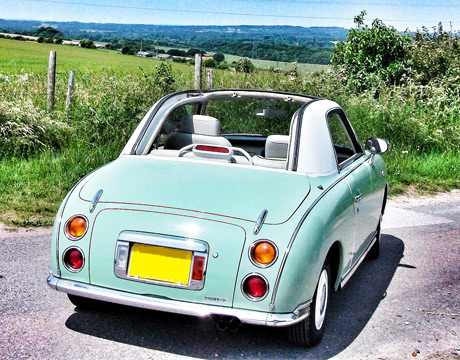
{"x": 247, "y": 206}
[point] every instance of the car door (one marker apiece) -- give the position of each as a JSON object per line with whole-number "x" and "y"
{"x": 360, "y": 177}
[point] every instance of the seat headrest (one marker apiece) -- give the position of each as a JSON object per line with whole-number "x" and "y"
{"x": 276, "y": 147}
{"x": 200, "y": 124}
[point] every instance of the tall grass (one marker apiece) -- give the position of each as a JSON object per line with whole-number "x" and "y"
{"x": 43, "y": 154}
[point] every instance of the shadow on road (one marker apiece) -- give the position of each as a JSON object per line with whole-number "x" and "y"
{"x": 350, "y": 311}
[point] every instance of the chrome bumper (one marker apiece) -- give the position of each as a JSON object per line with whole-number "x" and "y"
{"x": 178, "y": 307}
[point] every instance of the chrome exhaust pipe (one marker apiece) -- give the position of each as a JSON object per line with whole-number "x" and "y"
{"x": 227, "y": 323}
{"x": 222, "y": 325}
{"x": 234, "y": 324}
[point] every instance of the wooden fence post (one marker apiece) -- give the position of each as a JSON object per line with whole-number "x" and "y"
{"x": 197, "y": 71}
{"x": 51, "y": 80}
{"x": 68, "y": 103}
{"x": 209, "y": 79}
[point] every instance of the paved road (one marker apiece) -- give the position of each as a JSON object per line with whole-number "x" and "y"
{"x": 406, "y": 301}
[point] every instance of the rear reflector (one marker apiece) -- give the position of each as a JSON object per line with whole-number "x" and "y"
{"x": 198, "y": 268}
{"x": 218, "y": 149}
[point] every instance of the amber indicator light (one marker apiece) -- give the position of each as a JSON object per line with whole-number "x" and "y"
{"x": 76, "y": 227}
{"x": 263, "y": 253}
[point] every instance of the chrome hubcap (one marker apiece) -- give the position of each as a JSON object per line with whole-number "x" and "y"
{"x": 321, "y": 300}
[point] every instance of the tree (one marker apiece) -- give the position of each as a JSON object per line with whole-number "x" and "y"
{"x": 48, "y": 32}
{"x": 371, "y": 56}
{"x": 176, "y": 52}
{"x": 219, "y": 57}
{"x": 432, "y": 56}
{"x": 88, "y": 44}
{"x": 192, "y": 52}
{"x": 223, "y": 65}
{"x": 128, "y": 50}
{"x": 245, "y": 65}
{"x": 210, "y": 63}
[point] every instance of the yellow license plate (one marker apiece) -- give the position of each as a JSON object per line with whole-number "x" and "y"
{"x": 160, "y": 264}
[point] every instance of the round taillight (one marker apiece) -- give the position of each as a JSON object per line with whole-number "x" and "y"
{"x": 263, "y": 253}
{"x": 76, "y": 227}
{"x": 73, "y": 259}
{"x": 255, "y": 287}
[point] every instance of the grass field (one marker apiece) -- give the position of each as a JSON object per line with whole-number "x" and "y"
{"x": 18, "y": 57}
{"x": 43, "y": 154}
{"x": 268, "y": 64}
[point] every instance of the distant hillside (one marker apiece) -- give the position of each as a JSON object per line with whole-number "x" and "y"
{"x": 279, "y": 43}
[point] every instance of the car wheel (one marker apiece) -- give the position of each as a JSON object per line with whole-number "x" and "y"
{"x": 309, "y": 332}
{"x": 83, "y": 303}
{"x": 374, "y": 252}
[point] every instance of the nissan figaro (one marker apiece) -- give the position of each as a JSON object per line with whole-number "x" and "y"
{"x": 250, "y": 206}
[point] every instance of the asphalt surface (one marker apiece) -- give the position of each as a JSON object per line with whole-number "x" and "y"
{"x": 404, "y": 305}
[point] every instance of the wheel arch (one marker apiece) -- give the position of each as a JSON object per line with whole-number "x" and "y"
{"x": 334, "y": 257}
{"x": 385, "y": 197}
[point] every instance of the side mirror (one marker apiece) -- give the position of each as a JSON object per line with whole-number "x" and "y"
{"x": 376, "y": 145}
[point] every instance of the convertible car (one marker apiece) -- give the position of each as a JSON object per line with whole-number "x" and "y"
{"x": 248, "y": 206}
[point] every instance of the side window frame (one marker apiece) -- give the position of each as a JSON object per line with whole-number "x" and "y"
{"x": 351, "y": 135}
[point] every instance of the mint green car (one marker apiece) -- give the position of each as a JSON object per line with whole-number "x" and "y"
{"x": 248, "y": 206}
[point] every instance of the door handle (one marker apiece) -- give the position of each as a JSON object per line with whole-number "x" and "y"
{"x": 358, "y": 197}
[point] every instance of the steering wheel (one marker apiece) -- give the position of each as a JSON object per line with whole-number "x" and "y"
{"x": 190, "y": 147}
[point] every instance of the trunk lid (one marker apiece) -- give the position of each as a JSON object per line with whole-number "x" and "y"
{"x": 225, "y": 190}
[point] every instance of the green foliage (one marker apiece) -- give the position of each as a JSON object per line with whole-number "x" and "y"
{"x": 223, "y": 65}
{"x": 219, "y": 57}
{"x": 47, "y": 32}
{"x": 371, "y": 57}
{"x": 433, "y": 56}
{"x": 88, "y": 44}
{"x": 245, "y": 65}
{"x": 163, "y": 78}
{"x": 128, "y": 50}
{"x": 210, "y": 63}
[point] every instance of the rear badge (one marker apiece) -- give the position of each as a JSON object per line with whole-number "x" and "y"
{"x": 217, "y": 299}
{"x": 383, "y": 173}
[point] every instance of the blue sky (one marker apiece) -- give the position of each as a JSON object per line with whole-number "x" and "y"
{"x": 400, "y": 14}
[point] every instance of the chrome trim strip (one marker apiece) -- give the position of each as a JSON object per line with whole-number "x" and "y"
{"x": 178, "y": 307}
{"x": 297, "y": 229}
{"x": 163, "y": 240}
{"x": 260, "y": 221}
{"x": 355, "y": 267}
{"x": 95, "y": 200}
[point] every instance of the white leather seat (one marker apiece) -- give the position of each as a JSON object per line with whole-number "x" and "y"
{"x": 276, "y": 149}
{"x": 196, "y": 129}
